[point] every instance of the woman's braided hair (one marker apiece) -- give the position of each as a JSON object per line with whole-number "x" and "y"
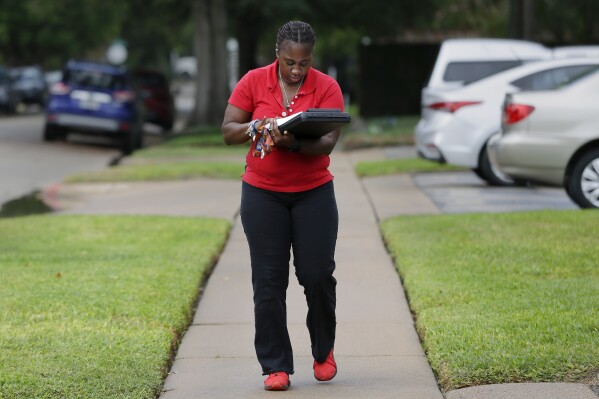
{"x": 296, "y": 32}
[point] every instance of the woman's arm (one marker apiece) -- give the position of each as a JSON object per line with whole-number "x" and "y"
{"x": 235, "y": 125}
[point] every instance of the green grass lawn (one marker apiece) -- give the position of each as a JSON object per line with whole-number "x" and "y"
{"x": 182, "y": 157}
{"x": 401, "y": 165}
{"x": 93, "y": 306}
{"x": 197, "y": 143}
{"x": 160, "y": 171}
{"x": 503, "y": 297}
{"x": 379, "y": 132}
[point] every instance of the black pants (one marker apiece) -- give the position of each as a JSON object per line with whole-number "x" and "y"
{"x": 274, "y": 223}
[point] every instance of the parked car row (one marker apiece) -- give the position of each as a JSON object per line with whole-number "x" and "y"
{"x": 22, "y": 85}
{"x": 552, "y": 137}
{"x": 97, "y": 98}
{"x": 462, "y": 107}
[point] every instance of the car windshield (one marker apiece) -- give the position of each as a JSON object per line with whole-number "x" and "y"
{"x": 29, "y": 73}
{"x": 471, "y": 71}
{"x": 94, "y": 79}
{"x": 555, "y": 78}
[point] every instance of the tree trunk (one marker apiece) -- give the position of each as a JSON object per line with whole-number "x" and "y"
{"x": 521, "y": 19}
{"x": 210, "y": 51}
{"x": 248, "y": 35}
{"x": 219, "y": 73}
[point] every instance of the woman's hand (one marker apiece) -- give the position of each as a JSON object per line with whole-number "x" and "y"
{"x": 283, "y": 139}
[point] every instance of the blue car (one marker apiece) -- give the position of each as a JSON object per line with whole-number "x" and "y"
{"x": 95, "y": 98}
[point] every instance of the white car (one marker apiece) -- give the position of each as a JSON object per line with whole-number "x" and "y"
{"x": 457, "y": 124}
{"x": 552, "y": 137}
{"x": 186, "y": 67}
{"x": 463, "y": 61}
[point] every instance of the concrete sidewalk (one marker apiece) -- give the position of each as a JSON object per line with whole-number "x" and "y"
{"x": 377, "y": 349}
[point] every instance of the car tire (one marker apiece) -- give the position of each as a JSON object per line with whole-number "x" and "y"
{"x": 128, "y": 142}
{"x": 53, "y": 132}
{"x": 132, "y": 140}
{"x": 478, "y": 173}
{"x": 489, "y": 173}
{"x": 583, "y": 182}
{"x": 167, "y": 126}
{"x": 13, "y": 106}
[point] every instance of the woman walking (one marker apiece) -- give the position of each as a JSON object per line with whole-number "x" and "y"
{"x": 288, "y": 201}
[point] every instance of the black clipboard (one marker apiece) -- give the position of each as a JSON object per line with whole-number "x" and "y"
{"x": 315, "y": 122}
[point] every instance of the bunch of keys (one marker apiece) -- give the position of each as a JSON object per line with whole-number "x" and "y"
{"x": 265, "y": 143}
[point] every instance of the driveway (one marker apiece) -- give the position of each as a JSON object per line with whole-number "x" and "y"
{"x": 449, "y": 192}
{"x": 460, "y": 192}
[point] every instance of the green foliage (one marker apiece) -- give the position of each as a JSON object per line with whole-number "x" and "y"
{"x": 93, "y": 306}
{"x": 49, "y": 33}
{"x": 562, "y": 22}
{"x": 483, "y": 17}
{"x": 502, "y": 297}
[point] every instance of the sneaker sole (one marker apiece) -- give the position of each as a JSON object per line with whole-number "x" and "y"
{"x": 276, "y": 387}
{"x": 327, "y": 379}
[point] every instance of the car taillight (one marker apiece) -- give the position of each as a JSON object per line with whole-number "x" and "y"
{"x": 60, "y": 88}
{"x": 451, "y": 106}
{"x": 123, "y": 96}
{"x": 514, "y": 113}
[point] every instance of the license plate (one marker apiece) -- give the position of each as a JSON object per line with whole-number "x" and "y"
{"x": 88, "y": 104}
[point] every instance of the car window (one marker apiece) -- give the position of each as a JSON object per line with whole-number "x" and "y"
{"x": 553, "y": 79}
{"x": 29, "y": 73}
{"x": 95, "y": 79}
{"x": 468, "y": 72}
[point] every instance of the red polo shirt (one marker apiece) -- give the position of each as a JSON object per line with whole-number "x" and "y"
{"x": 259, "y": 93}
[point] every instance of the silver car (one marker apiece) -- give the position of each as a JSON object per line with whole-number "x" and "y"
{"x": 552, "y": 137}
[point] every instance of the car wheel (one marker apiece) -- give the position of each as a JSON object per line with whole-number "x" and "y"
{"x": 128, "y": 142}
{"x": 132, "y": 140}
{"x": 53, "y": 132}
{"x": 478, "y": 173}
{"x": 583, "y": 184}
{"x": 168, "y": 126}
{"x": 13, "y": 106}
{"x": 489, "y": 173}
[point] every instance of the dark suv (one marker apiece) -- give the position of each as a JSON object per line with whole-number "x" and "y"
{"x": 29, "y": 85}
{"x": 8, "y": 96}
{"x": 96, "y": 98}
{"x": 158, "y": 99}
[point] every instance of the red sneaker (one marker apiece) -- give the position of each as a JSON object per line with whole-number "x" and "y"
{"x": 277, "y": 381}
{"x": 327, "y": 370}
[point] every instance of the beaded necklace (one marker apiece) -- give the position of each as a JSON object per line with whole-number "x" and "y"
{"x": 284, "y": 87}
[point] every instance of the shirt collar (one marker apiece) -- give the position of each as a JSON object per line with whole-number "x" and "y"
{"x": 272, "y": 80}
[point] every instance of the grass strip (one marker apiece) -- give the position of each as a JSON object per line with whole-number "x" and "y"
{"x": 401, "y": 165}
{"x": 502, "y": 297}
{"x": 379, "y": 132}
{"x": 173, "y": 152}
{"x": 93, "y": 306}
{"x": 199, "y": 142}
{"x": 162, "y": 171}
